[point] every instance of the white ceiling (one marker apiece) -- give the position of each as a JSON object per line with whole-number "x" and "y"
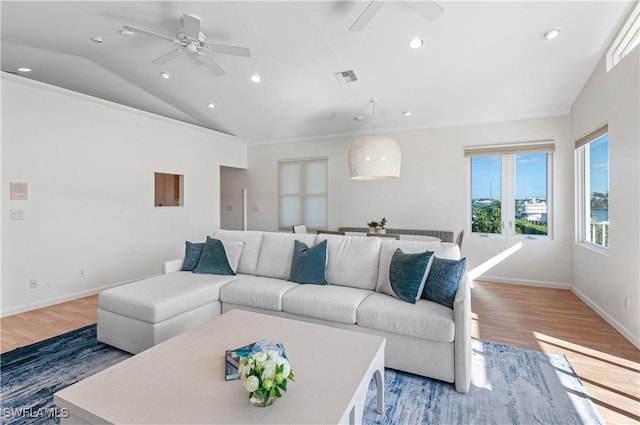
{"x": 481, "y": 61}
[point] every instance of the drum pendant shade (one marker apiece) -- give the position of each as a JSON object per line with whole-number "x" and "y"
{"x": 374, "y": 158}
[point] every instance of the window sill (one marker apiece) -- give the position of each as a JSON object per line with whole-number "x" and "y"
{"x": 594, "y": 247}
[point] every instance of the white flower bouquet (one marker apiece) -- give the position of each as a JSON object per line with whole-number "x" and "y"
{"x": 265, "y": 373}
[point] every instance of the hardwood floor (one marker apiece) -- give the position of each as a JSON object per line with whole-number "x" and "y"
{"x": 33, "y": 326}
{"x": 549, "y": 320}
{"x": 556, "y": 321}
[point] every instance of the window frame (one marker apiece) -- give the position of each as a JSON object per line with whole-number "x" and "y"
{"x": 626, "y": 40}
{"x": 583, "y": 191}
{"x": 507, "y": 154}
{"x": 304, "y": 162}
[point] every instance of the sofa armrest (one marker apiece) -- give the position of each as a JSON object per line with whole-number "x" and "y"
{"x": 172, "y": 266}
{"x": 462, "y": 343}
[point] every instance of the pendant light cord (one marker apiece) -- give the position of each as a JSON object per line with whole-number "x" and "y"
{"x": 374, "y": 117}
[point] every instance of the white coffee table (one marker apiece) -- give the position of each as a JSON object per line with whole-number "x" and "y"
{"x": 182, "y": 380}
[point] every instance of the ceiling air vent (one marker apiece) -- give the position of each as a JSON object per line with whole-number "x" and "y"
{"x": 347, "y": 76}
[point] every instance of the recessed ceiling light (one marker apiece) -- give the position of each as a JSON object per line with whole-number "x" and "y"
{"x": 552, "y": 33}
{"x": 256, "y": 78}
{"x": 211, "y": 105}
{"x": 415, "y": 43}
{"x": 98, "y": 39}
{"x": 359, "y": 118}
{"x": 407, "y": 113}
{"x": 126, "y": 33}
{"x": 24, "y": 69}
{"x": 165, "y": 75}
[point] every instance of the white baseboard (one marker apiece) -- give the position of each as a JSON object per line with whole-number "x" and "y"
{"x": 634, "y": 339}
{"x": 63, "y": 298}
{"x": 525, "y": 282}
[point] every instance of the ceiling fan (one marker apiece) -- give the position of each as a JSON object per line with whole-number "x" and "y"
{"x": 191, "y": 40}
{"x": 428, "y": 9}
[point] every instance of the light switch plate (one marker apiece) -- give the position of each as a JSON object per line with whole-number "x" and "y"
{"x": 16, "y": 215}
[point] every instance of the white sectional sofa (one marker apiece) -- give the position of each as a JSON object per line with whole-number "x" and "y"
{"x": 425, "y": 338}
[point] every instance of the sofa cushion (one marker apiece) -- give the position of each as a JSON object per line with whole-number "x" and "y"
{"x": 252, "y": 240}
{"x": 276, "y": 251}
{"x": 159, "y": 298}
{"x": 327, "y": 302}
{"x": 309, "y": 264}
{"x": 258, "y": 292}
{"x": 389, "y": 246}
{"x": 444, "y": 278}
{"x": 214, "y": 258}
{"x": 352, "y": 260}
{"x": 408, "y": 274}
{"x": 192, "y": 253}
{"x": 424, "y": 319}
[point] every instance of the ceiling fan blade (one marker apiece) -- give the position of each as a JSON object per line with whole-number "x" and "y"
{"x": 212, "y": 65}
{"x": 151, "y": 33}
{"x": 230, "y": 50}
{"x": 429, "y": 10}
{"x": 367, "y": 15}
{"x": 191, "y": 25}
{"x": 168, "y": 57}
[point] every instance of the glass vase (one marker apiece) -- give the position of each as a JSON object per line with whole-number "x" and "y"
{"x": 258, "y": 400}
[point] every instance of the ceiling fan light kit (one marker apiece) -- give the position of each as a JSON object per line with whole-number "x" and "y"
{"x": 416, "y": 43}
{"x": 374, "y": 157}
{"x": 552, "y": 33}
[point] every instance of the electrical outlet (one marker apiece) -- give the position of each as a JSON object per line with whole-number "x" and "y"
{"x": 33, "y": 283}
{"x": 81, "y": 273}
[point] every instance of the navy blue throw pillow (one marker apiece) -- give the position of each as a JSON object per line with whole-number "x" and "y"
{"x": 214, "y": 259}
{"x": 408, "y": 273}
{"x": 308, "y": 265}
{"x": 192, "y": 254}
{"x": 444, "y": 278}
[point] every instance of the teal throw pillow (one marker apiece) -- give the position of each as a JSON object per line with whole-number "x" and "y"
{"x": 308, "y": 265}
{"x": 408, "y": 273}
{"x": 192, "y": 253}
{"x": 444, "y": 278}
{"x": 214, "y": 259}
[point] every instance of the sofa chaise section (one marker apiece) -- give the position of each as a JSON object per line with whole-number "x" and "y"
{"x": 139, "y": 315}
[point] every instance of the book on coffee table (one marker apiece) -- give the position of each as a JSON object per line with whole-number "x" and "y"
{"x": 233, "y": 358}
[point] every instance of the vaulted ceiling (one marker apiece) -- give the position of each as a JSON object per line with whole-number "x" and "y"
{"x": 480, "y": 61}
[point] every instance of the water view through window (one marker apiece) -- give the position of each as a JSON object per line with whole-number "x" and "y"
{"x": 597, "y": 190}
{"x": 527, "y": 176}
{"x": 531, "y": 194}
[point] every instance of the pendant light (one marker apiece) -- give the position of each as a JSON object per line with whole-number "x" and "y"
{"x": 374, "y": 157}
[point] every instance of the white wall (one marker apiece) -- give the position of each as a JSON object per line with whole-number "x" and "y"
{"x": 90, "y": 168}
{"x": 604, "y": 281}
{"x": 432, "y": 193}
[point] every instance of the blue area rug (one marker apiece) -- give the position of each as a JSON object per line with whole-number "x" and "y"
{"x": 509, "y": 386}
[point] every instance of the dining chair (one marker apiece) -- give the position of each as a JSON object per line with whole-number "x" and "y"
{"x": 299, "y": 228}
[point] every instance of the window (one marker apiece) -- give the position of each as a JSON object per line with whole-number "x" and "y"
{"x": 486, "y": 211}
{"x": 510, "y": 187}
{"x": 168, "y": 190}
{"x": 303, "y": 193}
{"x": 592, "y": 188}
{"x": 626, "y": 40}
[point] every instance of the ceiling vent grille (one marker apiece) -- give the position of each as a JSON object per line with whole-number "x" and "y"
{"x": 347, "y": 76}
